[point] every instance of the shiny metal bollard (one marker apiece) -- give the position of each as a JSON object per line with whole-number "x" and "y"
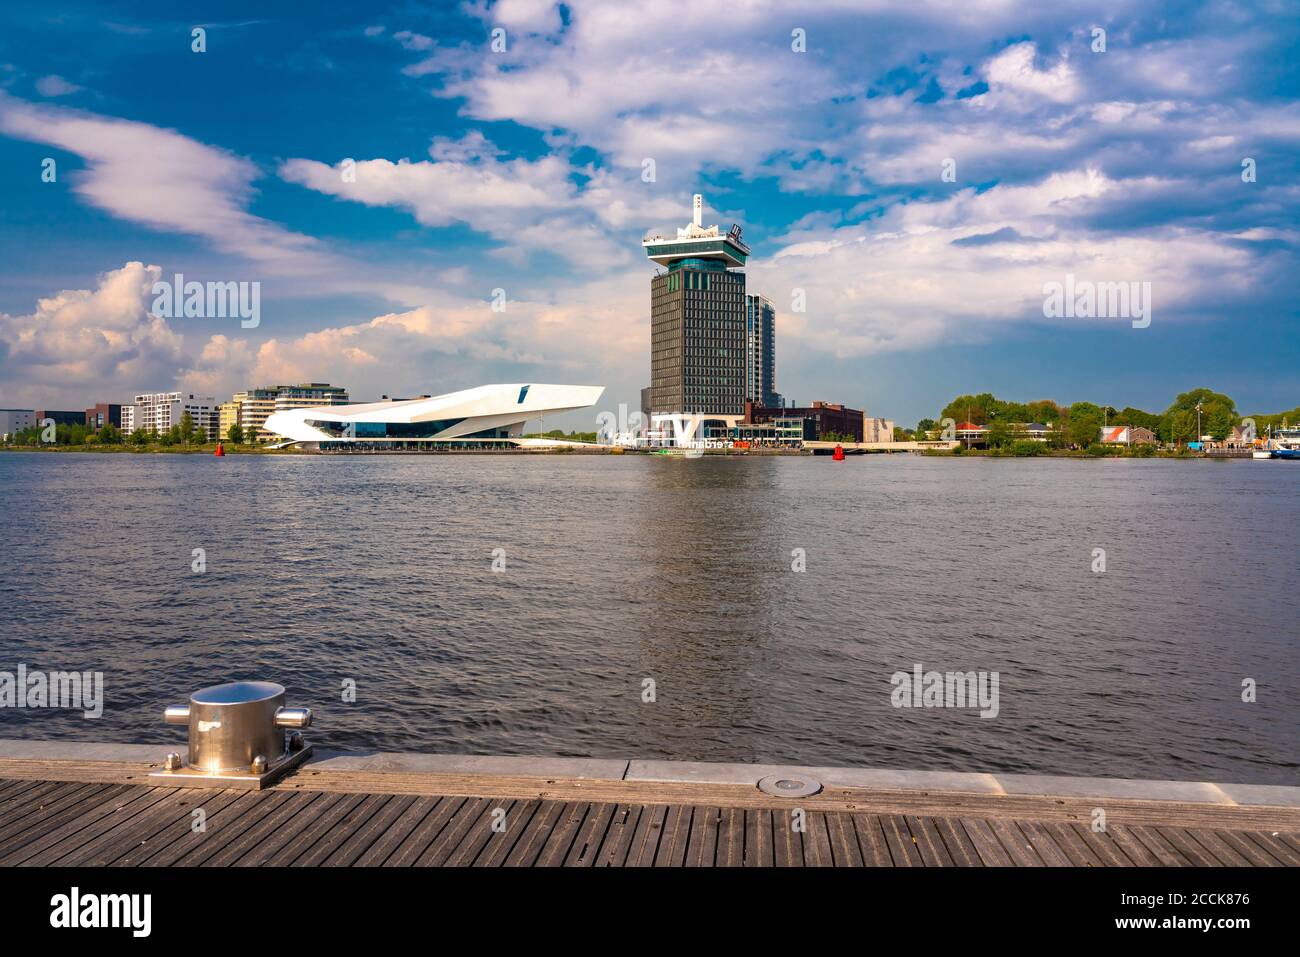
{"x": 236, "y": 737}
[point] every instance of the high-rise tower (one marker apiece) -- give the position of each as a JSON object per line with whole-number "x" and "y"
{"x": 697, "y": 320}
{"x": 760, "y": 352}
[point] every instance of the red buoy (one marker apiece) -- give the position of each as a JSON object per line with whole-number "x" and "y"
{"x": 220, "y": 450}
{"x": 839, "y": 453}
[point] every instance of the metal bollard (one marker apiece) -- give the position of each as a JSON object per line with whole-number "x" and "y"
{"x": 236, "y": 737}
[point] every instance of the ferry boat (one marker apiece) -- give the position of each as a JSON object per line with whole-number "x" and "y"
{"x": 1282, "y": 444}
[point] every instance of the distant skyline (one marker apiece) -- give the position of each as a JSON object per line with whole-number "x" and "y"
{"x": 525, "y": 170}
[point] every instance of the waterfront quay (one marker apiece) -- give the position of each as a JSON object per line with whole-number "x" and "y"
{"x": 70, "y": 803}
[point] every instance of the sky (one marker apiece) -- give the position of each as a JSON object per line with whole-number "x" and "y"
{"x": 909, "y": 177}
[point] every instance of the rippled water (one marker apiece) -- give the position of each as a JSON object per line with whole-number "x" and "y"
{"x": 379, "y": 569}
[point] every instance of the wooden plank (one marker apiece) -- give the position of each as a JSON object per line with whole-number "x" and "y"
{"x": 260, "y": 805}
{"x": 501, "y": 843}
{"x": 424, "y": 833}
{"x": 586, "y": 846}
{"x": 731, "y": 838}
{"x": 305, "y": 836}
{"x": 369, "y": 832}
{"x": 1278, "y": 848}
{"x": 1222, "y": 852}
{"x": 1189, "y": 848}
{"x": 162, "y": 853}
{"x": 1164, "y": 852}
{"x": 844, "y": 840}
{"x": 1043, "y": 844}
{"x": 259, "y": 839}
{"x": 556, "y": 849}
{"x": 11, "y": 787}
{"x": 445, "y": 844}
{"x": 85, "y": 827}
{"x": 535, "y": 836}
{"x": 959, "y": 845}
{"x": 211, "y": 802}
{"x": 928, "y": 842}
{"x": 482, "y": 832}
{"x": 618, "y": 839}
{"x": 1014, "y": 842}
{"x": 986, "y": 843}
{"x": 1100, "y": 844}
{"x": 1134, "y": 850}
{"x": 114, "y": 842}
{"x": 871, "y": 840}
{"x": 1248, "y": 849}
{"x": 31, "y": 799}
{"x": 645, "y": 840}
{"x": 341, "y": 831}
{"x": 701, "y": 850}
{"x": 817, "y": 842}
{"x": 377, "y": 853}
{"x": 787, "y": 843}
{"x": 758, "y": 838}
{"x": 901, "y": 849}
{"x": 24, "y": 820}
{"x": 1074, "y": 847}
{"x": 676, "y": 837}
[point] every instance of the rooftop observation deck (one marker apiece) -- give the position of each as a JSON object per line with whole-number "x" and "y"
{"x": 88, "y": 804}
{"x": 695, "y": 241}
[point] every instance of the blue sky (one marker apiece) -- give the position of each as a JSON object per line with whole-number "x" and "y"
{"x": 523, "y": 170}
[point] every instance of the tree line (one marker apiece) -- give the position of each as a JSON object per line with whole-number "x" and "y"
{"x": 1080, "y": 424}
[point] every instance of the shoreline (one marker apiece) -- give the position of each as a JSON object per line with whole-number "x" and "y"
{"x": 1180, "y": 455}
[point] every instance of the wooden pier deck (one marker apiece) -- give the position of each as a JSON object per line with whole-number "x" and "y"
{"x": 91, "y": 806}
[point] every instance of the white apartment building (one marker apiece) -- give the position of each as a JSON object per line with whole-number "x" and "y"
{"x": 256, "y": 405}
{"x": 13, "y": 421}
{"x": 128, "y": 419}
{"x": 162, "y": 410}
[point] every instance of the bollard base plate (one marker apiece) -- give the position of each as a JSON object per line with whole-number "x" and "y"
{"x": 233, "y": 780}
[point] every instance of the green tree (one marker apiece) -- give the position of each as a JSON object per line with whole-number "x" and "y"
{"x": 1180, "y": 426}
{"x": 186, "y": 429}
{"x": 1131, "y": 416}
{"x": 110, "y": 434}
{"x": 235, "y": 434}
{"x": 140, "y": 437}
{"x": 1083, "y": 427}
{"x": 973, "y": 408}
{"x": 1213, "y": 407}
{"x": 999, "y": 434}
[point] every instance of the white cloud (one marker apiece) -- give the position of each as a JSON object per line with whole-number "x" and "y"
{"x": 1016, "y": 69}
{"x": 55, "y": 85}
{"x": 83, "y": 346}
{"x": 164, "y": 180}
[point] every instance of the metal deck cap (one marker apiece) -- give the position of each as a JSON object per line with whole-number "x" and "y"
{"x": 238, "y": 692}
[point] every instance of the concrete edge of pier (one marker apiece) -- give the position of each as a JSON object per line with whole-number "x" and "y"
{"x": 130, "y": 763}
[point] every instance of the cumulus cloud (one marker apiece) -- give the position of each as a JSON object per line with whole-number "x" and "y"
{"x": 83, "y": 345}
{"x": 529, "y": 205}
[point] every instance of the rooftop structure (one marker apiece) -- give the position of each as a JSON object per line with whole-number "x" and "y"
{"x": 696, "y": 241}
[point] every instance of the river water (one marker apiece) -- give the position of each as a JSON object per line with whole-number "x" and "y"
{"x": 322, "y": 572}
